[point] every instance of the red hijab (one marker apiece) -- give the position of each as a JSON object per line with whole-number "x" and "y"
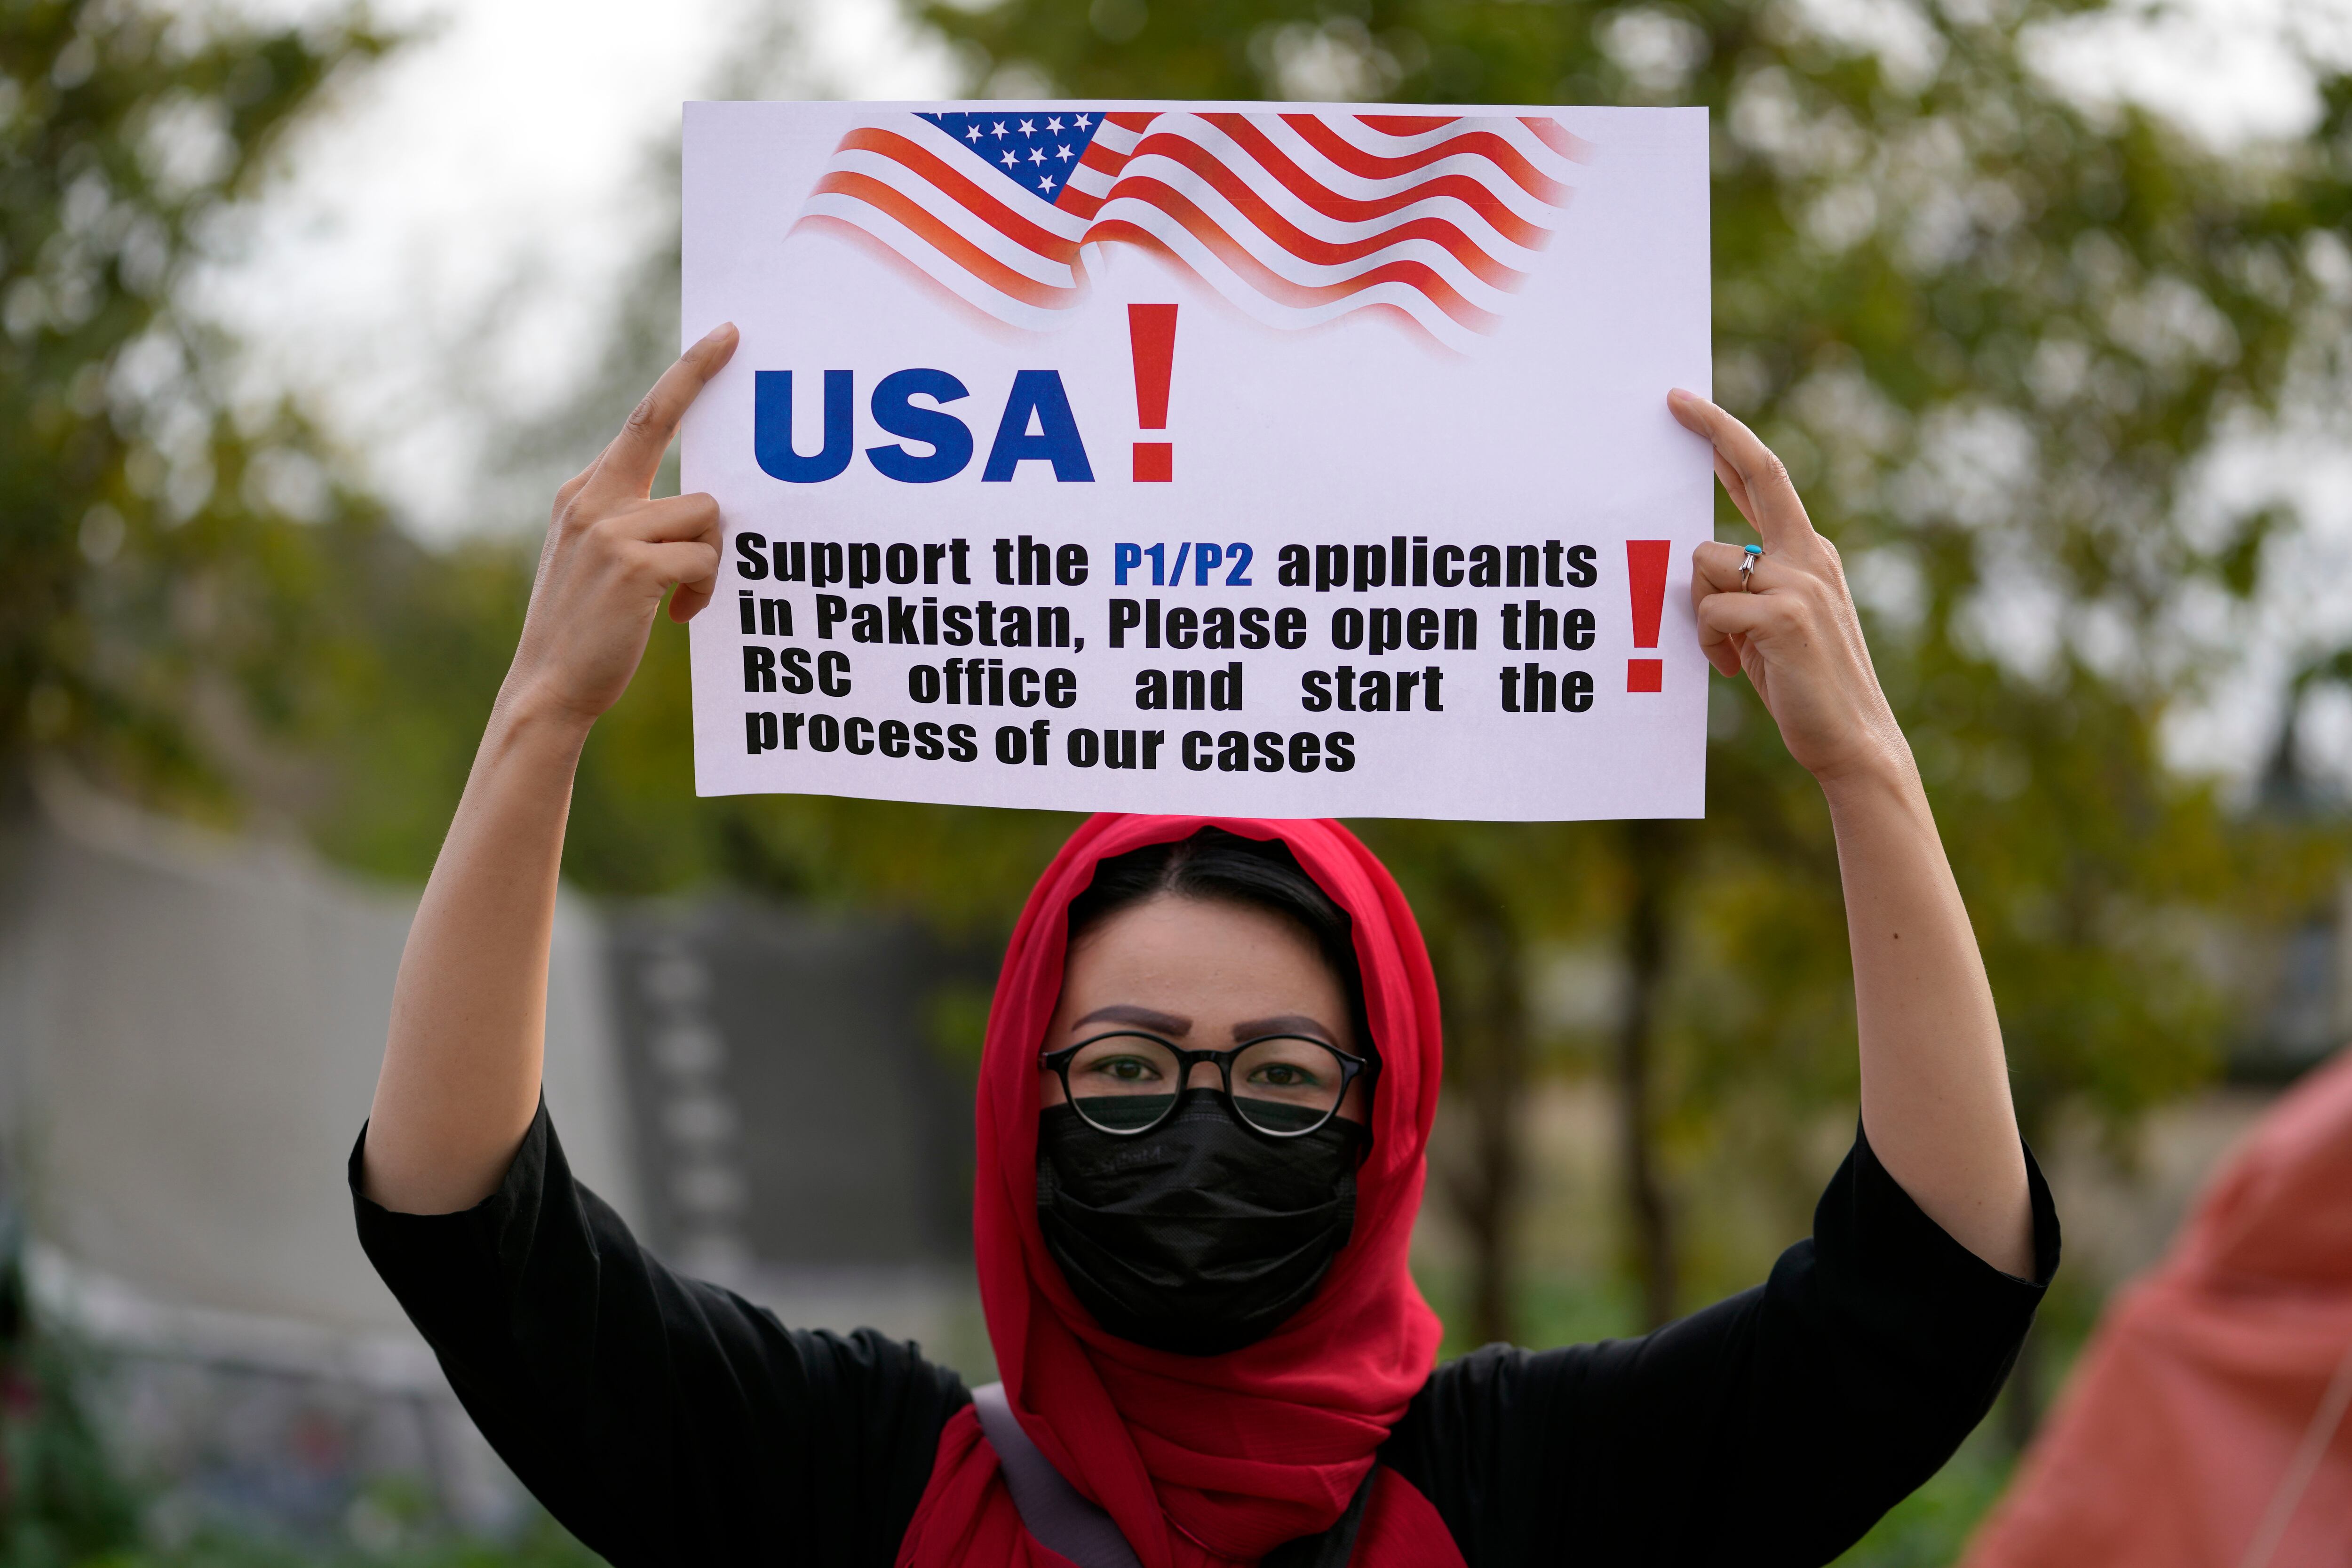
{"x": 1201, "y": 1460}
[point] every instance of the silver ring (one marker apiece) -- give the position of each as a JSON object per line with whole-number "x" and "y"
{"x": 1755, "y": 552}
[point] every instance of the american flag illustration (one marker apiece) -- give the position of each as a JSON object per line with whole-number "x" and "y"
{"x": 1296, "y": 218}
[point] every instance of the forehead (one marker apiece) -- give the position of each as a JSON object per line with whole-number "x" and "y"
{"x": 1211, "y": 964}
{"x": 1158, "y": 929}
{"x": 1197, "y": 954}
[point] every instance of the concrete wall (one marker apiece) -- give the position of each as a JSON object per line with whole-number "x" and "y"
{"x": 189, "y": 1033}
{"x": 190, "y": 1028}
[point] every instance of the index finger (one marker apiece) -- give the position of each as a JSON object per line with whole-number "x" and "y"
{"x": 1772, "y": 499}
{"x": 634, "y": 456}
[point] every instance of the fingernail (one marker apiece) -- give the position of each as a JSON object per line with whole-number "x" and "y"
{"x": 721, "y": 327}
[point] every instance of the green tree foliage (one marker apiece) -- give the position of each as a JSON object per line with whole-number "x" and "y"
{"x": 1991, "y": 331}
{"x": 195, "y": 609}
{"x": 160, "y": 593}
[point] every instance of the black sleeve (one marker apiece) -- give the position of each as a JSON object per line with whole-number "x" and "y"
{"x": 663, "y": 1420}
{"x": 1773, "y": 1428}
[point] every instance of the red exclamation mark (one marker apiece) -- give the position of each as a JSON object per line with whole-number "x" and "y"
{"x": 1151, "y": 333}
{"x": 1645, "y": 575}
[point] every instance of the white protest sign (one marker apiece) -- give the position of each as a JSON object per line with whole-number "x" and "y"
{"x": 1253, "y": 459}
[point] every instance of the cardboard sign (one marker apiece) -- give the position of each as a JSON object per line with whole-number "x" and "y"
{"x": 1261, "y": 459}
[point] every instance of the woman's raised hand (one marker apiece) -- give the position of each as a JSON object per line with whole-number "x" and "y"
{"x": 611, "y": 553}
{"x": 1792, "y": 628}
{"x": 1935, "y": 1087}
{"x": 461, "y": 1062}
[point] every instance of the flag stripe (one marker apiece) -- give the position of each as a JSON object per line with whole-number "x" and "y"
{"x": 1372, "y": 165}
{"x": 1304, "y": 258}
{"x": 1172, "y": 207}
{"x": 872, "y": 193}
{"x": 1558, "y": 138}
{"x": 972, "y": 225}
{"x": 883, "y": 236}
{"x": 1507, "y": 225}
{"x": 1544, "y": 159}
{"x": 964, "y": 193}
{"x": 1341, "y": 182}
{"x": 1177, "y": 243}
{"x": 1407, "y": 125}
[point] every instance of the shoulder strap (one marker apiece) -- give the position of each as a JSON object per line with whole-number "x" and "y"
{"x": 1051, "y": 1507}
{"x": 1060, "y": 1518}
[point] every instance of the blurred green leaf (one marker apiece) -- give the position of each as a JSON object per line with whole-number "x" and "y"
{"x": 160, "y": 564}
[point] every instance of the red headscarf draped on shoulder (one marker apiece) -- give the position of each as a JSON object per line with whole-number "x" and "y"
{"x": 1201, "y": 1460}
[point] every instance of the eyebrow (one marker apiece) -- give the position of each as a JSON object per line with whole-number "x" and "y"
{"x": 1142, "y": 1017}
{"x": 1285, "y": 1024}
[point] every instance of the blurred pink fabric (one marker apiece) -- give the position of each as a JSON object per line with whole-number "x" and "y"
{"x": 2206, "y": 1426}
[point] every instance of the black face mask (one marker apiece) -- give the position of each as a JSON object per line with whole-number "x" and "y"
{"x": 1200, "y": 1235}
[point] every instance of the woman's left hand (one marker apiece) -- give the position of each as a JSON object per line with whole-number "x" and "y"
{"x": 1792, "y": 626}
{"x": 1935, "y": 1087}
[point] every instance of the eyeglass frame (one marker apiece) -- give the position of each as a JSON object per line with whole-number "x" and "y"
{"x": 1352, "y": 1068}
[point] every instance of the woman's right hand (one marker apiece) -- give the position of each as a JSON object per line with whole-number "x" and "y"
{"x": 611, "y": 552}
{"x": 461, "y": 1062}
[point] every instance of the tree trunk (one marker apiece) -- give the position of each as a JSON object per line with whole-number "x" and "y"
{"x": 1650, "y": 850}
{"x": 1487, "y": 1046}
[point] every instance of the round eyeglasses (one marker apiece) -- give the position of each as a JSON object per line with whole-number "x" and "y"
{"x": 1284, "y": 1086}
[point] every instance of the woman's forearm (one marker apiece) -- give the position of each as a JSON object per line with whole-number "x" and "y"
{"x": 461, "y": 1065}
{"x": 1935, "y": 1083}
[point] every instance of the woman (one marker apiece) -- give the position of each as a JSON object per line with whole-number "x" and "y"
{"x": 1210, "y": 1073}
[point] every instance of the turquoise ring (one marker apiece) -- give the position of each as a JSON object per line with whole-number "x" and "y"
{"x": 1755, "y": 552}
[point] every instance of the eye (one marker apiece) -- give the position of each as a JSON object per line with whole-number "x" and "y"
{"x": 1124, "y": 1069}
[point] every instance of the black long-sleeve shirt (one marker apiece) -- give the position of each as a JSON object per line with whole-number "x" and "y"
{"x": 664, "y": 1420}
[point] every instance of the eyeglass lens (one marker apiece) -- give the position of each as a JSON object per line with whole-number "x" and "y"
{"x": 1125, "y": 1083}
